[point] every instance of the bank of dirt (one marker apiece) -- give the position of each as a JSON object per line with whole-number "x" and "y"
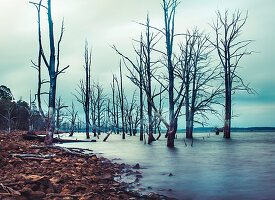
{"x": 59, "y": 176}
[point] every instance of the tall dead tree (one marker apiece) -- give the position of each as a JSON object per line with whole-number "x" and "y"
{"x": 140, "y": 91}
{"x": 84, "y": 88}
{"x": 143, "y": 79}
{"x": 198, "y": 77}
{"x": 59, "y": 114}
{"x": 72, "y": 118}
{"x": 114, "y": 106}
{"x": 147, "y": 49}
{"x": 100, "y": 100}
{"x": 121, "y": 100}
{"x": 52, "y": 65}
{"x": 169, "y": 10}
{"x": 37, "y": 65}
{"x": 230, "y": 49}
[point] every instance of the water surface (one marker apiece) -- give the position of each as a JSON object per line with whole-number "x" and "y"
{"x": 213, "y": 168}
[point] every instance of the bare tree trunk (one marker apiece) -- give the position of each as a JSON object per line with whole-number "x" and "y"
{"x": 227, "y": 122}
{"x": 88, "y": 85}
{"x": 140, "y": 92}
{"x": 52, "y": 74}
{"x": 122, "y": 106}
{"x": 169, "y": 34}
{"x": 148, "y": 68}
{"x": 230, "y": 51}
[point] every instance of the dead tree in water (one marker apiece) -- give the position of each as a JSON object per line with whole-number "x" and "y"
{"x": 59, "y": 114}
{"x": 52, "y": 65}
{"x": 140, "y": 92}
{"x": 84, "y": 88}
{"x": 100, "y": 100}
{"x": 198, "y": 77}
{"x": 230, "y": 51}
{"x": 73, "y": 117}
{"x": 175, "y": 92}
{"x": 142, "y": 74}
{"x": 115, "y": 121}
{"x": 121, "y": 100}
{"x": 129, "y": 108}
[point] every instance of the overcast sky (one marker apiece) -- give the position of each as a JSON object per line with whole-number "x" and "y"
{"x": 104, "y": 23}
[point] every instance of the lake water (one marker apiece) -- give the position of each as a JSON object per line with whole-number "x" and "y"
{"x": 242, "y": 167}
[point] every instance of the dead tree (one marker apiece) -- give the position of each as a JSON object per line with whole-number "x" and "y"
{"x": 84, "y": 88}
{"x": 73, "y": 117}
{"x": 37, "y": 65}
{"x": 140, "y": 92}
{"x": 114, "y": 106}
{"x": 129, "y": 108}
{"x": 169, "y": 9}
{"x": 59, "y": 115}
{"x": 52, "y": 65}
{"x": 230, "y": 50}
{"x": 175, "y": 92}
{"x": 143, "y": 78}
{"x": 100, "y": 100}
{"x": 9, "y": 116}
{"x": 198, "y": 77}
{"x": 121, "y": 100}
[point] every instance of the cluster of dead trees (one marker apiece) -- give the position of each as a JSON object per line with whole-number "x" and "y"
{"x": 189, "y": 72}
{"x": 195, "y": 71}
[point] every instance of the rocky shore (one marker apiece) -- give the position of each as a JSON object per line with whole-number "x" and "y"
{"x": 48, "y": 173}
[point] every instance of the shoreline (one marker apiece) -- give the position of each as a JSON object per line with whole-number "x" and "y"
{"x": 60, "y": 175}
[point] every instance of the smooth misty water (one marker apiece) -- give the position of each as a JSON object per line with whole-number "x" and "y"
{"x": 214, "y": 168}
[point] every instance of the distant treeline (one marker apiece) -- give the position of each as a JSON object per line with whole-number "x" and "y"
{"x": 249, "y": 129}
{"x": 17, "y": 115}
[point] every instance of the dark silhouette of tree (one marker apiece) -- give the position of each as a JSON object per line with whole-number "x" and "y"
{"x": 121, "y": 100}
{"x": 100, "y": 109}
{"x": 52, "y": 65}
{"x": 230, "y": 49}
{"x": 59, "y": 114}
{"x": 84, "y": 88}
{"x": 37, "y": 65}
{"x": 194, "y": 69}
{"x": 72, "y": 118}
{"x": 5, "y": 93}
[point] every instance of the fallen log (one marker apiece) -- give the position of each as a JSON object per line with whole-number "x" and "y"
{"x": 108, "y": 134}
{"x": 71, "y": 152}
{"x": 69, "y": 195}
{"x": 9, "y": 190}
{"x": 55, "y": 140}
{"x": 79, "y": 149}
{"x": 31, "y": 156}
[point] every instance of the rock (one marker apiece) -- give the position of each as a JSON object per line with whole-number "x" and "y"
{"x": 170, "y": 174}
{"x": 138, "y": 175}
{"x": 65, "y": 191}
{"x": 37, "y": 195}
{"x": 57, "y": 160}
{"x": 32, "y": 178}
{"x": 55, "y": 180}
{"x": 137, "y": 166}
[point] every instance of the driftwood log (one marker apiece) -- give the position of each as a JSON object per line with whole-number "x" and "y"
{"x": 68, "y": 151}
{"x": 55, "y": 140}
{"x": 33, "y": 156}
